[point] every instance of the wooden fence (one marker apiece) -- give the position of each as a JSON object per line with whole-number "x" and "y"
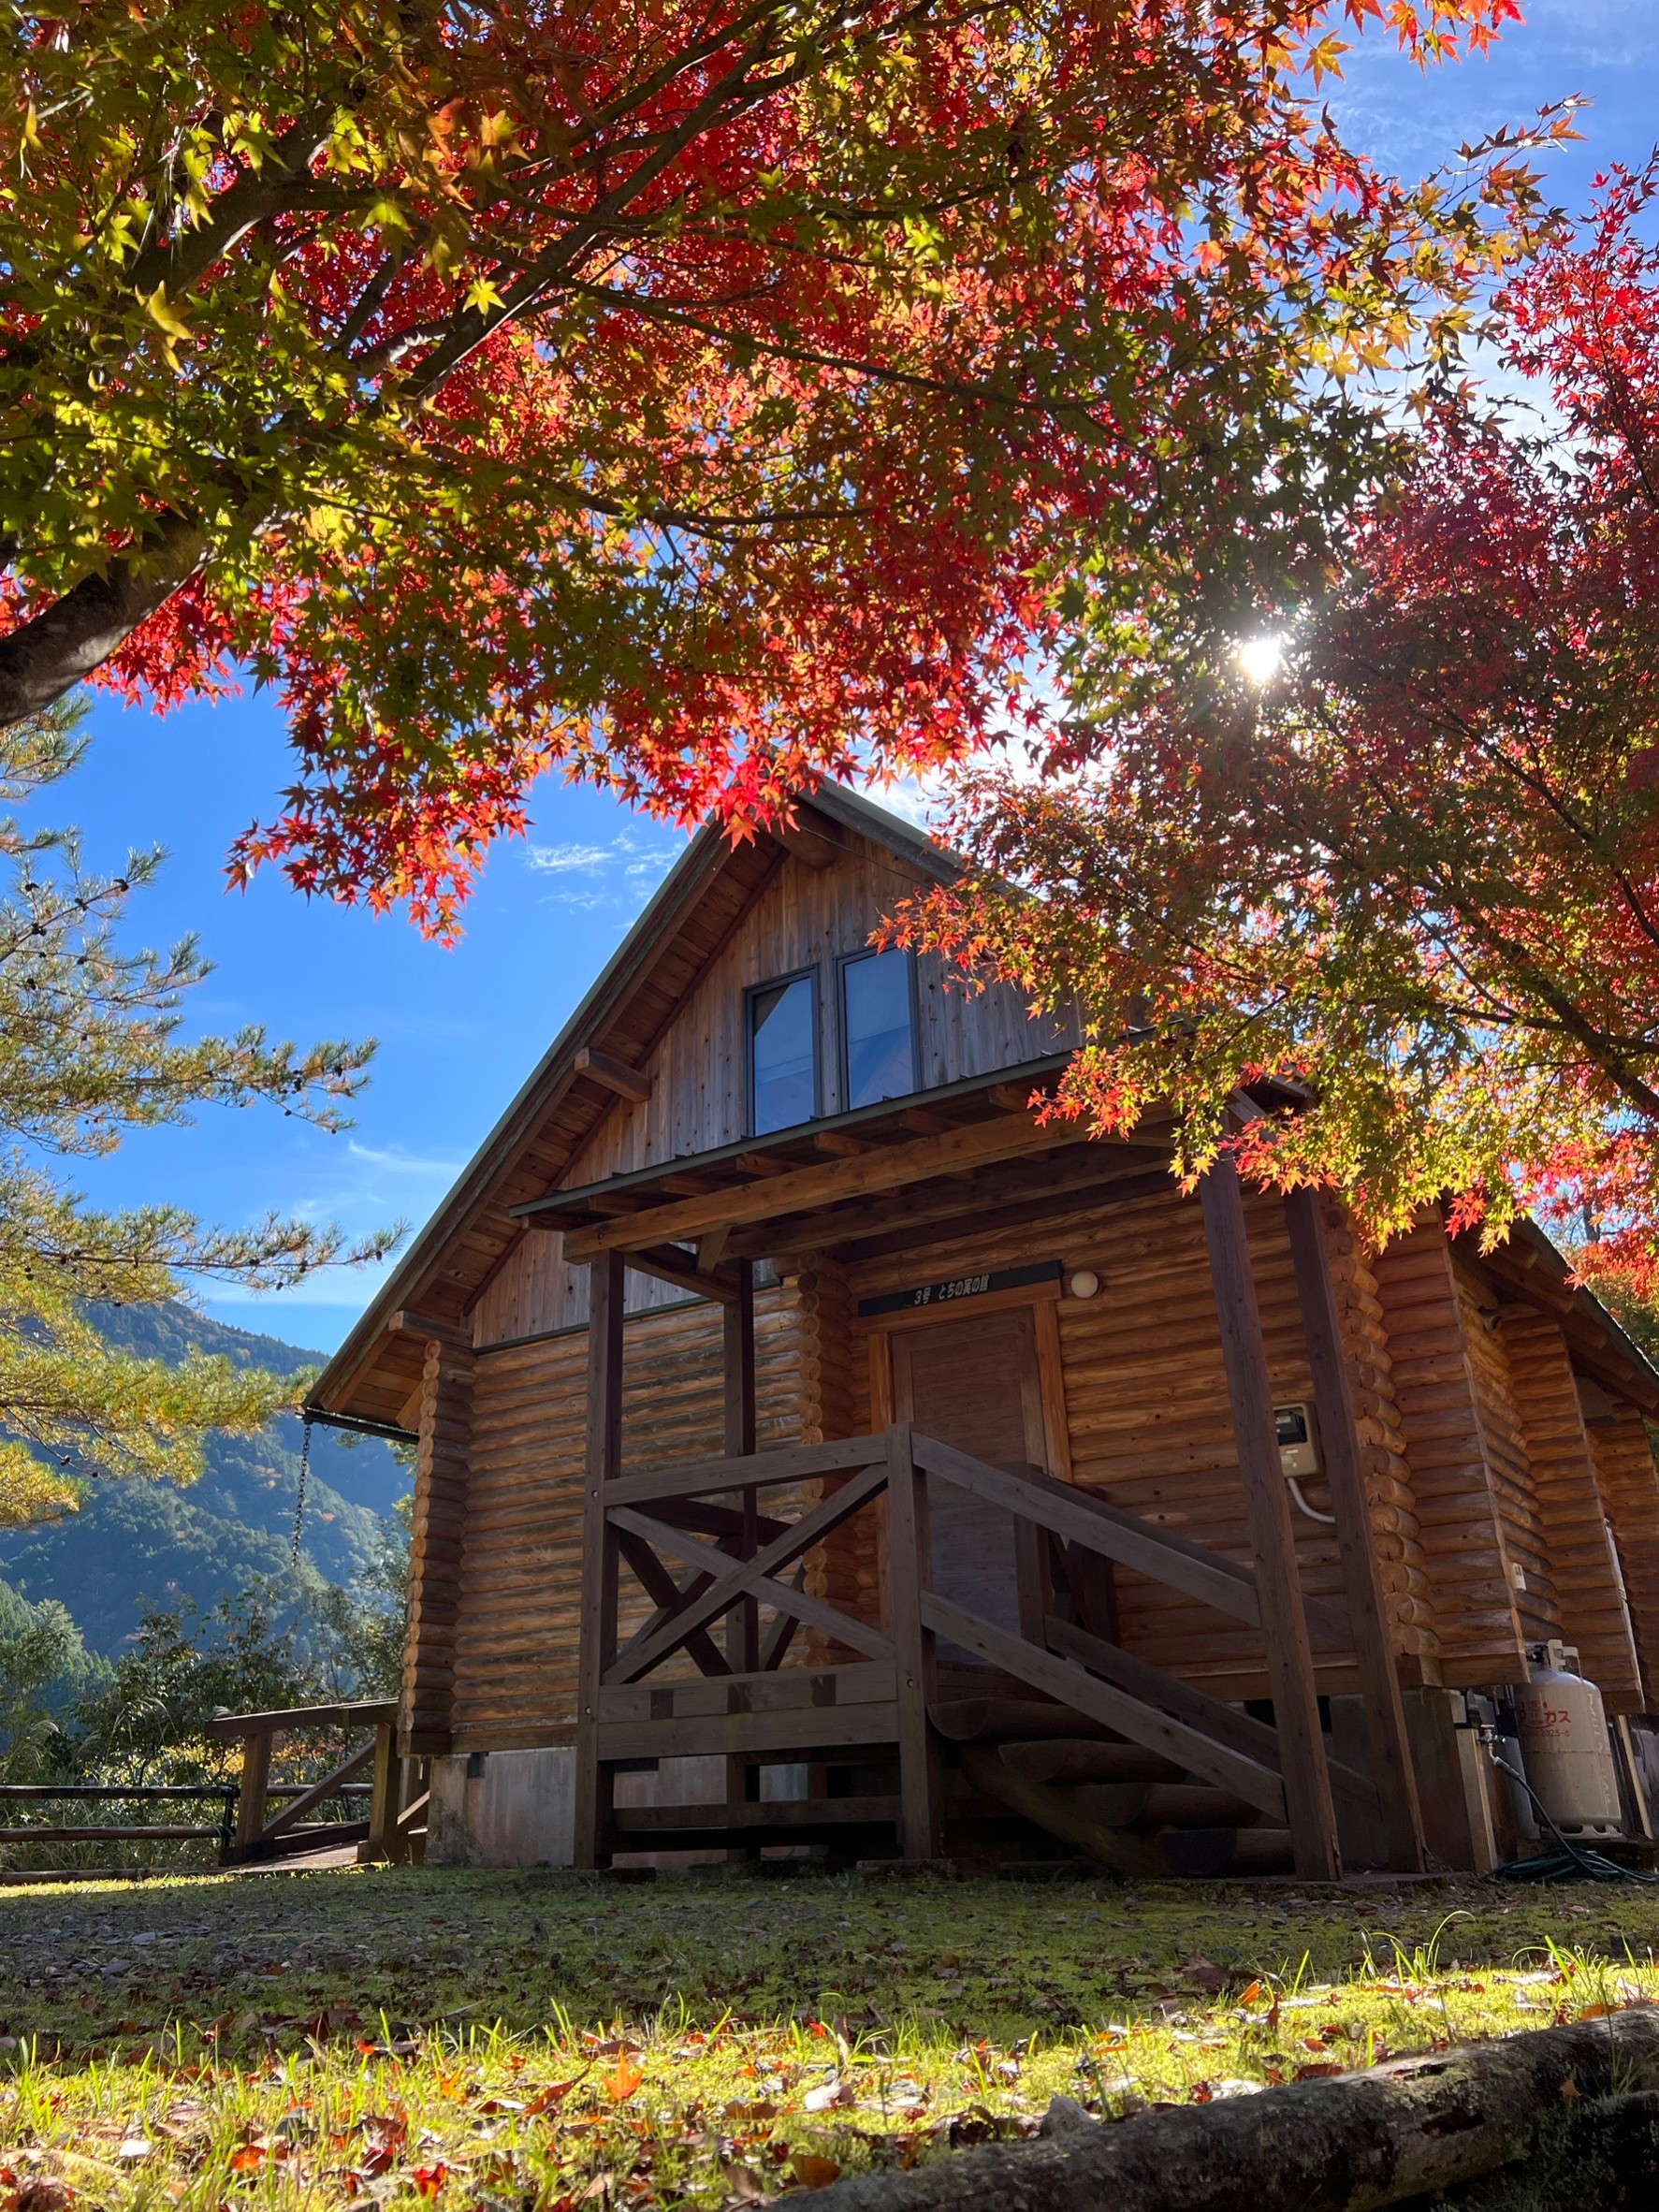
{"x": 394, "y": 1831}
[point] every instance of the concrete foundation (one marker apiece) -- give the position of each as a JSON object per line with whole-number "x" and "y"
{"x": 502, "y": 1809}
{"x": 518, "y": 1807}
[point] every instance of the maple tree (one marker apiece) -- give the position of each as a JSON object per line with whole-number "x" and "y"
{"x": 702, "y": 394}
{"x": 90, "y": 1050}
{"x": 1416, "y": 870}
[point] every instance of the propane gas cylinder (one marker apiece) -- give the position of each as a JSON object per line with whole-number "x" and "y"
{"x": 1564, "y": 1735}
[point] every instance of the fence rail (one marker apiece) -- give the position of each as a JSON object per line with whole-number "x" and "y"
{"x": 224, "y": 1794}
{"x": 246, "y": 1827}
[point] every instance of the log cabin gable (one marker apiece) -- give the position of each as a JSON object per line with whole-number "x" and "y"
{"x": 653, "y": 1066}
{"x": 809, "y": 922}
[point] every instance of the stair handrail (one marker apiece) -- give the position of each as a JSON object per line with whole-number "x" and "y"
{"x": 258, "y": 1831}
{"x": 1074, "y": 1514}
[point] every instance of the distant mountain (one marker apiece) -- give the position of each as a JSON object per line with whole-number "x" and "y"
{"x": 136, "y": 1547}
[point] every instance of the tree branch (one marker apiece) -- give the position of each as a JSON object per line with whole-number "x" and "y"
{"x": 189, "y": 254}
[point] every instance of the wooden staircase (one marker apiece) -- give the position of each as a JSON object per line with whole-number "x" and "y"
{"x": 1111, "y": 1801}
{"x": 939, "y": 1733}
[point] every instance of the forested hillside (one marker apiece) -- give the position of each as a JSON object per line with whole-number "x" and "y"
{"x": 136, "y": 1546}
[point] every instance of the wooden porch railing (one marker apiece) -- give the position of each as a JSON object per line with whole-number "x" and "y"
{"x": 1067, "y": 1647}
{"x": 394, "y": 1830}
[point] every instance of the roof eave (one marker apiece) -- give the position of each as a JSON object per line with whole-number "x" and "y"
{"x": 527, "y": 1107}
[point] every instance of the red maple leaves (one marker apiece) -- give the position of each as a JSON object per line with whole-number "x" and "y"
{"x": 1419, "y": 872}
{"x": 699, "y": 401}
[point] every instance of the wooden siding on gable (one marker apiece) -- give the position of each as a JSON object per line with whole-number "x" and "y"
{"x": 804, "y": 918}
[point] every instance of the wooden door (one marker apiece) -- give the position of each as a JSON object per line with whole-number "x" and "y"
{"x": 975, "y": 1383}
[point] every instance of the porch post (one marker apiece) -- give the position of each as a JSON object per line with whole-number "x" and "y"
{"x": 909, "y": 1558}
{"x": 599, "y": 1548}
{"x": 1380, "y": 1681}
{"x": 743, "y": 1624}
{"x": 1272, "y": 1540}
{"x": 737, "y": 1316}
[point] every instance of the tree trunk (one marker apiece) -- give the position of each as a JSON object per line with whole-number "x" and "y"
{"x": 48, "y": 654}
{"x": 1350, "y": 2144}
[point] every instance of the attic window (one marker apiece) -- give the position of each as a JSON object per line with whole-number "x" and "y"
{"x": 877, "y": 1028}
{"x": 783, "y": 1053}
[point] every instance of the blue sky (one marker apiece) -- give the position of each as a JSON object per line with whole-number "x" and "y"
{"x": 460, "y": 1028}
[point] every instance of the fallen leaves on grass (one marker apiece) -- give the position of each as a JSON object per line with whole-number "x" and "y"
{"x": 813, "y": 2170}
{"x": 622, "y": 2084}
{"x": 833, "y": 2050}
{"x": 36, "y": 2193}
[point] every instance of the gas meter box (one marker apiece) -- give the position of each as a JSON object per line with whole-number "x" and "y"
{"x": 1299, "y": 1451}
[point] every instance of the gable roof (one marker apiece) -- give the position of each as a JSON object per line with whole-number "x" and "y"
{"x": 686, "y": 923}
{"x": 682, "y": 928}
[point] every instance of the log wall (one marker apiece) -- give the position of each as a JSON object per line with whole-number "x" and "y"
{"x": 846, "y": 1571}
{"x": 1464, "y": 1558}
{"x": 1408, "y": 1588}
{"x": 519, "y": 1591}
{"x": 1147, "y": 1418}
{"x": 1475, "y": 1451}
{"x": 443, "y": 1499}
{"x": 1509, "y": 1464}
{"x": 1571, "y": 1514}
{"x": 1629, "y": 1485}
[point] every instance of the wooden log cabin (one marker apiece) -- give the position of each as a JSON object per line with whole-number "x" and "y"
{"x": 820, "y": 1451}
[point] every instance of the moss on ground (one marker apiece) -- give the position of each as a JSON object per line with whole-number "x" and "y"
{"x": 498, "y": 2039}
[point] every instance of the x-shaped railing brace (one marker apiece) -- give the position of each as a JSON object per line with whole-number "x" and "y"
{"x": 718, "y": 1584}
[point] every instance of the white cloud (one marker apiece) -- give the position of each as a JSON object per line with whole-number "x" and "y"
{"x": 560, "y": 860}
{"x": 604, "y": 875}
{"x": 402, "y": 1163}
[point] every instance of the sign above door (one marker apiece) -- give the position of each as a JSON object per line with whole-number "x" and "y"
{"x": 960, "y": 1287}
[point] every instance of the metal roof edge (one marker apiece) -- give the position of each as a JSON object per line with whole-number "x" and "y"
{"x": 854, "y": 812}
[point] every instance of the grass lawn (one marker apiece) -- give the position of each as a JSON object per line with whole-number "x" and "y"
{"x": 499, "y": 2040}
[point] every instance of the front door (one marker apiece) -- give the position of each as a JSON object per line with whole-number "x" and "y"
{"x": 974, "y": 1382}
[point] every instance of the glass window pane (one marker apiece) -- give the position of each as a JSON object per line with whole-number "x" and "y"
{"x": 783, "y": 1051}
{"x": 875, "y": 1009}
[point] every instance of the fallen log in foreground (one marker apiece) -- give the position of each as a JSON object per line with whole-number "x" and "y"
{"x": 1353, "y": 2144}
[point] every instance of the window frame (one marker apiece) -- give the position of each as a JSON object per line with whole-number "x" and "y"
{"x": 913, "y": 998}
{"x": 752, "y": 992}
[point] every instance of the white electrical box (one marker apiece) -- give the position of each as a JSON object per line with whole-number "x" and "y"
{"x": 1298, "y": 1452}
